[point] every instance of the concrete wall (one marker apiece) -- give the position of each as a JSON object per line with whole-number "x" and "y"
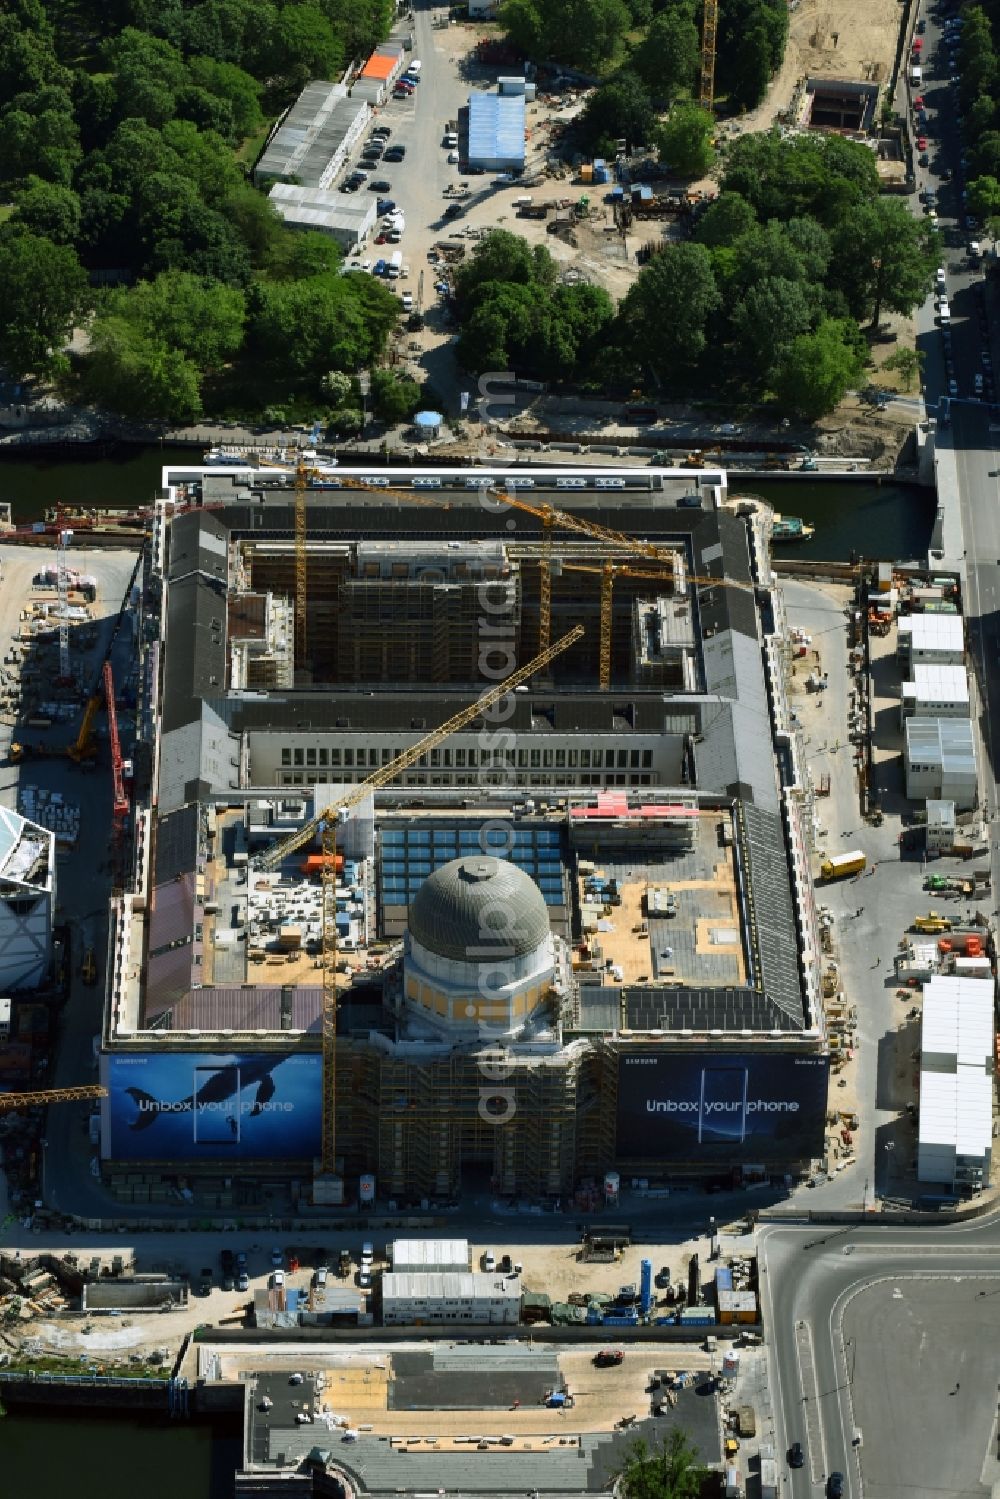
{"x": 130, "y": 1295}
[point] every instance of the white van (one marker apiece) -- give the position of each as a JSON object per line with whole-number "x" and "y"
{"x": 916, "y": 76}
{"x": 944, "y": 313}
{"x": 395, "y": 265}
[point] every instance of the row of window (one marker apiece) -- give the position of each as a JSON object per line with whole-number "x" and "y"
{"x": 322, "y": 757}
{"x": 512, "y": 778}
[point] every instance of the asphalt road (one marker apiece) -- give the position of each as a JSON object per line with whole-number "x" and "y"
{"x": 842, "y": 1361}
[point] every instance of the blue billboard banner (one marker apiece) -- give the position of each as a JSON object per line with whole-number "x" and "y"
{"x": 720, "y": 1107}
{"x": 205, "y": 1106}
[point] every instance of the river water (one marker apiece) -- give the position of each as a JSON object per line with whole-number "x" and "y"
{"x": 98, "y": 1456}
{"x": 886, "y": 521}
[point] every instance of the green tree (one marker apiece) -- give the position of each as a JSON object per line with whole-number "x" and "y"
{"x": 619, "y": 108}
{"x": 127, "y": 372}
{"x": 818, "y": 369}
{"x": 985, "y": 155}
{"x": 303, "y": 46}
{"x": 984, "y": 197}
{"x": 308, "y": 327}
{"x": 506, "y": 257}
{"x": 664, "y": 316}
{"x": 582, "y": 33}
{"x": 43, "y": 288}
{"x": 906, "y": 363}
{"x": 765, "y": 321}
{"x": 394, "y": 398}
{"x": 725, "y": 221}
{"x": 203, "y": 320}
{"x": 39, "y": 137}
{"x": 670, "y": 1471}
{"x": 685, "y": 140}
{"x": 666, "y": 60}
{"x": 49, "y": 210}
{"x": 750, "y": 68}
{"x": 750, "y": 47}
{"x": 805, "y": 176}
{"x": 883, "y": 258}
{"x": 236, "y": 87}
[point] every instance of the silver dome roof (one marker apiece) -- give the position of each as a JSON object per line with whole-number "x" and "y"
{"x": 478, "y": 908}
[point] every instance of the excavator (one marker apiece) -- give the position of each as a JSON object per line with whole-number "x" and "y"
{"x": 83, "y": 747}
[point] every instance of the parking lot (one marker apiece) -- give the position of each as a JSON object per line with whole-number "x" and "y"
{"x": 435, "y": 203}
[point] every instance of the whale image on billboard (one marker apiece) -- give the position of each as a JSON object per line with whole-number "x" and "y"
{"x": 713, "y": 1106}
{"x": 187, "y": 1106}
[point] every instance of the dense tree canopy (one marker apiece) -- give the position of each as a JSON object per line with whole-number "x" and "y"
{"x": 119, "y": 132}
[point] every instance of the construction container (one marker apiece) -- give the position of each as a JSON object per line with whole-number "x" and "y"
{"x": 290, "y": 938}
{"x": 587, "y": 172}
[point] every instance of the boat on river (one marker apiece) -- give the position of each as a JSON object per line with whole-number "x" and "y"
{"x": 791, "y": 528}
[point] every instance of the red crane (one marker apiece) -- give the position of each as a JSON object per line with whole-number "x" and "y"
{"x": 121, "y": 803}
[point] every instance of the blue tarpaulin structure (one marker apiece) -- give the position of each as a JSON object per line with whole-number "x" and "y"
{"x": 496, "y": 131}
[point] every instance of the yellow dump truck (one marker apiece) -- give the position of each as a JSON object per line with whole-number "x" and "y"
{"x": 839, "y": 866}
{"x": 932, "y": 923}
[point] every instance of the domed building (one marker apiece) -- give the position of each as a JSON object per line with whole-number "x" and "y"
{"x": 478, "y": 951}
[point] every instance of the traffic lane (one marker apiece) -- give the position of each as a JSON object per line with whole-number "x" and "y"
{"x": 918, "y": 1368}
{"x": 814, "y": 1293}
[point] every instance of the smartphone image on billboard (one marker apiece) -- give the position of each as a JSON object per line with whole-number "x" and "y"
{"x": 216, "y": 1105}
{"x": 722, "y": 1115}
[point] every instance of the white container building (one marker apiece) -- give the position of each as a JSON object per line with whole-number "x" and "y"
{"x": 940, "y": 761}
{"x": 955, "y": 1132}
{"x": 457, "y": 1296}
{"x": 935, "y": 692}
{"x": 420, "y": 1256}
{"x": 935, "y": 638}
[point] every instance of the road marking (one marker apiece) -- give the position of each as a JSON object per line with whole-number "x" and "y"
{"x": 815, "y": 1436}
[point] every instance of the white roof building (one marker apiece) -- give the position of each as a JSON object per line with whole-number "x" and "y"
{"x": 27, "y": 900}
{"x": 940, "y": 761}
{"x": 956, "y": 1083}
{"x": 312, "y": 142}
{"x": 422, "y": 1255}
{"x": 936, "y": 691}
{"x": 458, "y": 1296}
{"x": 348, "y": 222}
{"x": 932, "y": 637}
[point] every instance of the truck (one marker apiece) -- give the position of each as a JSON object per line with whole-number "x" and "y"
{"x": 839, "y": 866}
{"x": 768, "y": 1478}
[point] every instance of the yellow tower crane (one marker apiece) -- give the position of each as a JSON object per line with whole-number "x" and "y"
{"x": 325, "y": 825}
{"x": 668, "y": 558}
{"x": 50, "y": 1095}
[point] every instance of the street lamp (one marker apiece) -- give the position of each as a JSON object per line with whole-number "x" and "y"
{"x": 45, "y": 1150}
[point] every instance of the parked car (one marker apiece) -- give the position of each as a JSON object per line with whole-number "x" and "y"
{"x": 227, "y": 1261}
{"x": 489, "y": 1261}
{"x": 379, "y": 185}
{"x": 242, "y": 1281}
{"x": 277, "y": 1257}
{"x": 381, "y": 132}
{"x": 407, "y": 301}
{"x": 367, "y": 1254}
{"x": 395, "y": 153}
{"x": 322, "y": 1275}
{"x": 378, "y": 269}
{"x": 277, "y": 1278}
